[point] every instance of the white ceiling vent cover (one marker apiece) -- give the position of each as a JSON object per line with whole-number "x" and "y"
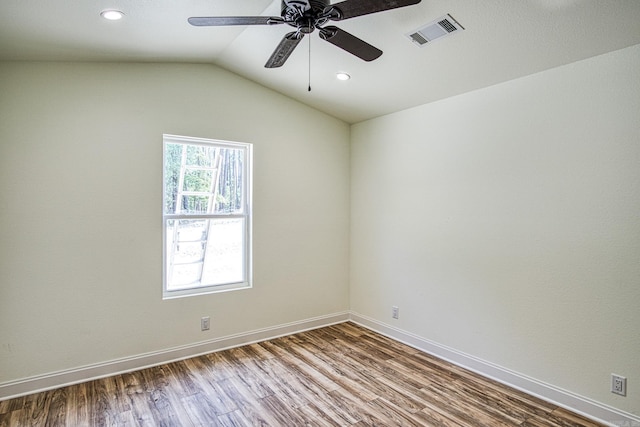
{"x": 437, "y": 29}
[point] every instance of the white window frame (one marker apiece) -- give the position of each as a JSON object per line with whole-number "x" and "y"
{"x": 247, "y": 148}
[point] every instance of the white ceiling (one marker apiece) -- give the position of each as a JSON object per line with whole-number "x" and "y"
{"x": 503, "y": 40}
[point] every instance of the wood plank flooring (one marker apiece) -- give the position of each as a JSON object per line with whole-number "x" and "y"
{"x": 341, "y": 375}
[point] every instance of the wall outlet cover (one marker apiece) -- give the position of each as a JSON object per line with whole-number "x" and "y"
{"x": 618, "y": 385}
{"x": 205, "y": 323}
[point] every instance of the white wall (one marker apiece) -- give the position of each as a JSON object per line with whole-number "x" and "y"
{"x": 80, "y": 210}
{"x": 505, "y": 224}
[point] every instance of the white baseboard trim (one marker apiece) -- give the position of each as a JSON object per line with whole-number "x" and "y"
{"x": 22, "y": 387}
{"x": 550, "y": 393}
{"x": 566, "y": 399}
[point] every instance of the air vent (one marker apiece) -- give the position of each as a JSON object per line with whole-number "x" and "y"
{"x": 435, "y": 30}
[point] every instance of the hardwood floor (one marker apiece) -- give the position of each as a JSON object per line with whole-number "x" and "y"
{"x": 341, "y": 375}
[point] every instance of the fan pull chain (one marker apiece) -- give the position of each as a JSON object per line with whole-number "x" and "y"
{"x": 309, "y": 37}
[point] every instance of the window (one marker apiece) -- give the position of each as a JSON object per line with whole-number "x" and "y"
{"x": 206, "y": 215}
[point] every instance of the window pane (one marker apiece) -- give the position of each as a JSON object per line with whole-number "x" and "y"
{"x": 204, "y": 252}
{"x": 172, "y": 165}
{"x": 225, "y": 257}
{"x": 195, "y": 204}
{"x": 229, "y": 198}
{"x": 201, "y": 179}
{"x": 198, "y": 179}
{"x": 200, "y": 155}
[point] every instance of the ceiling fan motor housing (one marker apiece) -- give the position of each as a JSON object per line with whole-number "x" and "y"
{"x": 316, "y": 6}
{"x": 305, "y": 15}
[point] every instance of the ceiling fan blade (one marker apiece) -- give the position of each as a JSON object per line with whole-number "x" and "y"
{"x": 350, "y": 43}
{"x": 284, "y": 50}
{"x": 218, "y": 21}
{"x": 352, "y": 8}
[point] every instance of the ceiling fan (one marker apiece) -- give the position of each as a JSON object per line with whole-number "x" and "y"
{"x": 308, "y": 15}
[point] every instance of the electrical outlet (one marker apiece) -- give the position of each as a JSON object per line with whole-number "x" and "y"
{"x": 205, "y": 323}
{"x": 618, "y": 385}
{"x": 395, "y": 312}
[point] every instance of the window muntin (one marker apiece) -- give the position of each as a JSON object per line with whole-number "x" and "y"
{"x": 206, "y": 213}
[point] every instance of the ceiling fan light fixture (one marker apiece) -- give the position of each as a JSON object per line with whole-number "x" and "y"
{"x": 112, "y": 14}
{"x": 343, "y": 76}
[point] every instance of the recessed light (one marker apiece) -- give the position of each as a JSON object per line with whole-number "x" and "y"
{"x": 342, "y": 76}
{"x": 112, "y": 14}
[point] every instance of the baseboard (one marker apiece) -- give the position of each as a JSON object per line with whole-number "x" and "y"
{"x": 12, "y": 389}
{"x": 550, "y": 393}
{"x": 579, "y": 404}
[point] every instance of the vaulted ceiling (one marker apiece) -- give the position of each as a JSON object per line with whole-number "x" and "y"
{"x": 501, "y": 40}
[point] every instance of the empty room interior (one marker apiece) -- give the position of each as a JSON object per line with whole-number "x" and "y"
{"x": 472, "y": 194}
